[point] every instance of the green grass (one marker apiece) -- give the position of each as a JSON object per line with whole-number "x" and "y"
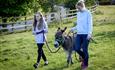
{"x": 18, "y": 51}
{"x": 104, "y": 14}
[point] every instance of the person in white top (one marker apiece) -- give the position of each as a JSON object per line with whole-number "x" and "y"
{"x": 39, "y": 30}
{"x": 84, "y": 33}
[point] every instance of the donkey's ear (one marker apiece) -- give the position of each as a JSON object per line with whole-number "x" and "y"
{"x": 64, "y": 29}
{"x": 58, "y": 28}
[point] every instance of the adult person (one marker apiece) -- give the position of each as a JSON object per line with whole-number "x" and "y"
{"x": 84, "y": 33}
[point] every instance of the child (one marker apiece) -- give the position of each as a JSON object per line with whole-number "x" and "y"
{"x": 40, "y": 29}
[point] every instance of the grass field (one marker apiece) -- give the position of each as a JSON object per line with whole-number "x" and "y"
{"x": 18, "y": 51}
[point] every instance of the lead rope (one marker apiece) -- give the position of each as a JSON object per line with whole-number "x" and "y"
{"x": 44, "y": 39}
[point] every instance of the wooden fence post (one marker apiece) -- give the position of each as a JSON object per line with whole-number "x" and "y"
{"x": 25, "y": 23}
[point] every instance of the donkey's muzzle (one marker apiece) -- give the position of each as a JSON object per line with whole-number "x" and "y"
{"x": 56, "y": 44}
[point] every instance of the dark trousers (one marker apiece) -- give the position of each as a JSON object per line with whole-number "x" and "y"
{"x": 40, "y": 52}
{"x": 81, "y": 47}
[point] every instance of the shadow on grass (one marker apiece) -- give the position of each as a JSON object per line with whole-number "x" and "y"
{"x": 64, "y": 66}
{"x": 78, "y": 68}
{"x": 58, "y": 67}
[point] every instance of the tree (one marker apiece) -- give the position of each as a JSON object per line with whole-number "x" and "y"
{"x": 14, "y": 7}
{"x": 71, "y": 3}
{"x": 90, "y": 2}
{"x": 48, "y": 5}
{"x": 10, "y": 8}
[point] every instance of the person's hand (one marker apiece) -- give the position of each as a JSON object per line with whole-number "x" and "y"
{"x": 68, "y": 33}
{"x": 43, "y": 31}
{"x": 33, "y": 33}
{"x": 71, "y": 30}
{"x": 75, "y": 23}
{"x": 89, "y": 36}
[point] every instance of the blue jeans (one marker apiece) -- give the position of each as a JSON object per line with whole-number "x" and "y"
{"x": 81, "y": 47}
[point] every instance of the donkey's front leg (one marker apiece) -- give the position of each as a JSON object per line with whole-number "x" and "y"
{"x": 69, "y": 58}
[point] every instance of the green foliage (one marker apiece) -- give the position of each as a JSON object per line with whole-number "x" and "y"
{"x": 90, "y": 2}
{"x": 46, "y": 5}
{"x": 71, "y": 4}
{"x": 14, "y": 7}
{"x": 104, "y": 0}
{"x": 10, "y": 8}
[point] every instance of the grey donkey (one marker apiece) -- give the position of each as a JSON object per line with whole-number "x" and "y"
{"x": 66, "y": 42}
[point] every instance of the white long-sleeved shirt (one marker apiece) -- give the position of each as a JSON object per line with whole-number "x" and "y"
{"x": 40, "y": 38}
{"x": 84, "y": 22}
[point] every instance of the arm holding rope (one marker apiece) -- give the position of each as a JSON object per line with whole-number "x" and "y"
{"x": 72, "y": 30}
{"x": 45, "y": 27}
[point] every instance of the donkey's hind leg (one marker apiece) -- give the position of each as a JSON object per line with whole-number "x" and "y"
{"x": 67, "y": 55}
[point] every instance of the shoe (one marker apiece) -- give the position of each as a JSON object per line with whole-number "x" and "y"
{"x": 46, "y": 63}
{"x": 35, "y": 65}
{"x": 83, "y": 66}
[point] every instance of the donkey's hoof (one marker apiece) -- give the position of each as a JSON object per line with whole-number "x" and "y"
{"x": 72, "y": 63}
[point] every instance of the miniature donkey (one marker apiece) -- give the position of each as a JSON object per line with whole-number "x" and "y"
{"x": 66, "y": 42}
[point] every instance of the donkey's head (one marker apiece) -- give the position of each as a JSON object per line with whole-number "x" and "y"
{"x": 59, "y": 37}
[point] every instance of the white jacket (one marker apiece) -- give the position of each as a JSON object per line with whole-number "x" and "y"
{"x": 40, "y": 38}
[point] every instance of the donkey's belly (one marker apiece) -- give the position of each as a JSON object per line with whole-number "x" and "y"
{"x": 68, "y": 43}
{"x": 67, "y": 48}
